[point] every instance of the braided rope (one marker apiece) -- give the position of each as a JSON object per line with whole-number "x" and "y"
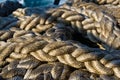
{"x": 48, "y": 37}
{"x": 60, "y": 32}
{"x": 21, "y": 12}
{"x": 31, "y": 68}
{"x": 113, "y": 2}
{"x": 14, "y": 33}
{"x": 93, "y": 22}
{"x": 85, "y": 75}
{"x": 70, "y": 53}
{"x": 113, "y": 10}
{"x": 99, "y": 27}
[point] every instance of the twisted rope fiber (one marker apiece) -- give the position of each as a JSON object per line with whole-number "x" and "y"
{"x": 100, "y": 2}
{"x": 113, "y": 10}
{"x": 13, "y": 33}
{"x": 28, "y": 11}
{"x": 85, "y": 75}
{"x": 93, "y": 22}
{"x": 19, "y": 40}
{"x": 28, "y": 69}
{"x": 74, "y": 54}
{"x": 110, "y": 9}
{"x": 99, "y": 26}
{"x": 60, "y": 32}
{"x": 31, "y": 68}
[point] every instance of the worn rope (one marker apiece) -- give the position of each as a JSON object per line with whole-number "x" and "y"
{"x": 85, "y": 75}
{"x": 91, "y": 23}
{"x": 28, "y": 11}
{"x": 48, "y": 36}
{"x": 113, "y": 2}
{"x": 14, "y": 33}
{"x": 31, "y": 68}
{"x": 67, "y": 52}
{"x": 100, "y": 27}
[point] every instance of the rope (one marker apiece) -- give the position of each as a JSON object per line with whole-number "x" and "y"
{"x": 21, "y": 12}
{"x": 31, "y": 68}
{"x": 100, "y": 2}
{"x": 99, "y": 27}
{"x": 85, "y": 75}
{"x": 60, "y": 32}
{"x": 74, "y": 54}
{"x": 45, "y": 42}
{"x": 13, "y": 33}
{"x": 91, "y": 23}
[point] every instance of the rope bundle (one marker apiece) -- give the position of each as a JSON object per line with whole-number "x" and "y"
{"x": 57, "y": 43}
{"x": 93, "y": 24}
{"x": 113, "y": 2}
{"x": 74, "y": 54}
{"x": 31, "y": 68}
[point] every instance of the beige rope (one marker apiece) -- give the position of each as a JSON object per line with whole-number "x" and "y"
{"x": 60, "y": 32}
{"x": 113, "y": 2}
{"x": 41, "y": 39}
{"x": 99, "y": 26}
{"x": 13, "y": 33}
{"x": 85, "y": 75}
{"x": 67, "y": 52}
{"x": 31, "y": 68}
{"x": 28, "y": 11}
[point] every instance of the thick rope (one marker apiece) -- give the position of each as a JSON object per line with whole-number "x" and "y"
{"x": 60, "y": 32}
{"x": 113, "y": 2}
{"x": 95, "y": 25}
{"x": 99, "y": 27}
{"x": 21, "y": 12}
{"x": 85, "y": 75}
{"x": 31, "y": 68}
{"x": 67, "y": 52}
{"x": 14, "y": 33}
{"x": 48, "y": 37}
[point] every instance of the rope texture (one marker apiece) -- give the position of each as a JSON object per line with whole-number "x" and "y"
{"x": 40, "y": 44}
{"x": 31, "y": 68}
{"x": 93, "y": 24}
{"x": 71, "y": 53}
{"x": 100, "y": 2}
